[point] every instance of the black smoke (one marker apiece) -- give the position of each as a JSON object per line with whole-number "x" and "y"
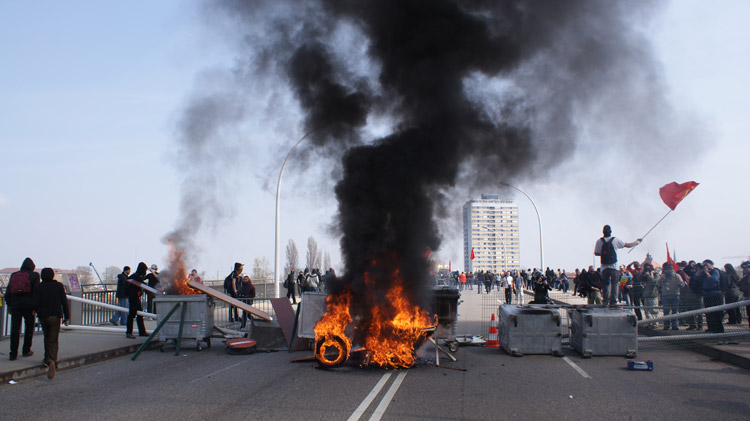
{"x": 473, "y": 91}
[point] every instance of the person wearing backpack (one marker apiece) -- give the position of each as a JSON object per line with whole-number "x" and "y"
{"x": 712, "y": 297}
{"x": 605, "y": 248}
{"x": 20, "y": 301}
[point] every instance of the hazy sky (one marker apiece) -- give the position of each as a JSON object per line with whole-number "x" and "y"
{"x": 91, "y": 94}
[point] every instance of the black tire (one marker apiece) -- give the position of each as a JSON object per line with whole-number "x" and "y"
{"x": 323, "y": 357}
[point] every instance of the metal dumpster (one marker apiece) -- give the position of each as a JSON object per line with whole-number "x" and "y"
{"x": 198, "y": 323}
{"x": 603, "y": 331}
{"x": 531, "y": 329}
{"x": 445, "y": 306}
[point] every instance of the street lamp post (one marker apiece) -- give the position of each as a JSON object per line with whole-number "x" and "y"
{"x": 538, "y": 218}
{"x": 278, "y": 219}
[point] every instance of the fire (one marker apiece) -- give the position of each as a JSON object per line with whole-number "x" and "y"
{"x": 390, "y": 330}
{"x": 176, "y": 274}
{"x": 332, "y": 343}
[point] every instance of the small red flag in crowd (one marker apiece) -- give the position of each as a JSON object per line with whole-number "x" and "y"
{"x": 671, "y": 261}
{"x": 472, "y": 253}
{"x": 673, "y": 193}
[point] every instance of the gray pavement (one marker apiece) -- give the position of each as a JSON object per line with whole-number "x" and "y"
{"x": 79, "y": 348}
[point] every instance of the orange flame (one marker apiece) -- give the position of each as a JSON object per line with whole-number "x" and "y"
{"x": 392, "y": 330}
{"x": 177, "y": 284}
{"x": 330, "y": 330}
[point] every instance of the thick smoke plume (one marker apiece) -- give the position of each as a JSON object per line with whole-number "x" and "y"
{"x": 472, "y": 91}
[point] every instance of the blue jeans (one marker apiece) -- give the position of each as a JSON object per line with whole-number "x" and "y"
{"x": 610, "y": 285}
{"x": 671, "y": 305}
{"x": 120, "y": 316}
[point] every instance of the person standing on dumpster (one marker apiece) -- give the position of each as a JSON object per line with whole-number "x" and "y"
{"x": 51, "y": 308}
{"x": 230, "y": 287}
{"x": 21, "y": 307}
{"x": 134, "y": 301}
{"x": 605, "y": 248}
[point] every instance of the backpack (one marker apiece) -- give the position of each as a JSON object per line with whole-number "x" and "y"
{"x": 607, "y": 253}
{"x": 20, "y": 283}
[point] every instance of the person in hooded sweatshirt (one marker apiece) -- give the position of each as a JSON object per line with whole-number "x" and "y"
{"x": 51, "y": 307}
{"x": 134, "y": 301}
{"x": 21, "y": 308}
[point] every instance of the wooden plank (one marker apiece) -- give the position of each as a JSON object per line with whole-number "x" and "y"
{"x": 144, "y": 287}
{"x": 285, "y": 316}
{"x": 229, "y": 300}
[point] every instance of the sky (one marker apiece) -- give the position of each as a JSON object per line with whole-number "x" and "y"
{"x": 92, "y": 95}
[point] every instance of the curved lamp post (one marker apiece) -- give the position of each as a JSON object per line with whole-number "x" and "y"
{"x": 278, "y": 222}
{"x": 538, "y": 218}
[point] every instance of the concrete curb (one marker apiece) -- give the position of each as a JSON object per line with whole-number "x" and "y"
{"x": 78, "y": 361}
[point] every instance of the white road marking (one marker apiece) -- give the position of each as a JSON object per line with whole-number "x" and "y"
{"x": 578, "y": 369}
{"x": 370, "y": 397}
{"x": 380, "y": 410}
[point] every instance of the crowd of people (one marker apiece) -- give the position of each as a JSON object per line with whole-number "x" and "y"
{"x": 307, "y": 281}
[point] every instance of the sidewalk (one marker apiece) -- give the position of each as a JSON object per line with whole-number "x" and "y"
{"x": 77, "y": 348}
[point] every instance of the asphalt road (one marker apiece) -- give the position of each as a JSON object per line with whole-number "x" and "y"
{"x": 267, "y": 386}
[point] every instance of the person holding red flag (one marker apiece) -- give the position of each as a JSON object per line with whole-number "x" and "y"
{"x": 605, "y": 248}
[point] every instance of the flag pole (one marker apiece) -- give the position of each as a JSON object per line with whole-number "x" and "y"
{"x": 652, "y": 228}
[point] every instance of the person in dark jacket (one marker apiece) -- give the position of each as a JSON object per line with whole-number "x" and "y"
{"x": 246, "y": 293}
{"x": 712, "y": 297}
{"x": 153, "y": 280}
{"x": 122, "y": 297}
{"x": 290, "y": 287}
{"x": 541, "y": 288}
{"x": 732, "y": 294}
{"x": 21, "y": 308}
{"x": 134, "y": 301}
{"x": 51, "y": 308}
{"x": 745, "y": 286}
{"x": 230, "y": 287}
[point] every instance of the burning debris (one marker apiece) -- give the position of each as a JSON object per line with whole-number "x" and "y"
{"x": 474, "y": 92}
{"x": 175, "y": 277}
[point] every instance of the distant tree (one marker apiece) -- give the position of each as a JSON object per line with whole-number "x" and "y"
{"x": 292, "y": 259}
{"x": 261, "y": 270}
{"x": 86, "y": 275}
{"x": 326, "y": 261}
{"x": 319, "y": 259}
{"x": 110, "y": 274}
{"x": 312, "y": 253}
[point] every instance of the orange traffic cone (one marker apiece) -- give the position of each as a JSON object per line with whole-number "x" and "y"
{"x": 492, "y": 337}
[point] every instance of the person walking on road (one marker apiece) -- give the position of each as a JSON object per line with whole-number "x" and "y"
{"x": 51, "y": 308}
{"x": 121, "y": 317}
{"x": 605, "y": 248}
{"x": 20, "y": 301}
{"x": 230, "y": 287}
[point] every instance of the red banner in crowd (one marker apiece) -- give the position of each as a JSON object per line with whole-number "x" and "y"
{"x": 472, "y": 253}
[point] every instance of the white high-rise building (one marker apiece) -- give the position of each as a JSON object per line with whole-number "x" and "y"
{"x": 491, "y": 230}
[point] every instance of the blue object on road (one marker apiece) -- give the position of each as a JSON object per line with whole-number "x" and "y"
{"x": 641, "y": 365}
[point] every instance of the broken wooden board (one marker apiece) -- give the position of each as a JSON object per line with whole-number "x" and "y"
{"x": 229, "y": 300}
{"x": 144, "y": 287}
{"x": 285, "y": 316}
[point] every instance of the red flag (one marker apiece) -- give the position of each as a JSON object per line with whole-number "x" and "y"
{"x": 673, "y": 193}
{"x": 671, "y": 261}
{"x": 449, "y": 266}
{"x": 472, "y": 253}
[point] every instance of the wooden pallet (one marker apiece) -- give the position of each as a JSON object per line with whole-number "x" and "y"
{"x": 229, "y": 300}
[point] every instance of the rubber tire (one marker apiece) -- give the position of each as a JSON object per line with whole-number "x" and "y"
{"x": 453, "y": 347}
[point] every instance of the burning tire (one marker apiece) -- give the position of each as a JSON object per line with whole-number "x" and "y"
{"x": 331, "y": 351}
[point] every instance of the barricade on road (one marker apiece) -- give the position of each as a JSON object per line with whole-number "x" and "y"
{"x": 530, "y": 329}
{"x": 603, "y": 331}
